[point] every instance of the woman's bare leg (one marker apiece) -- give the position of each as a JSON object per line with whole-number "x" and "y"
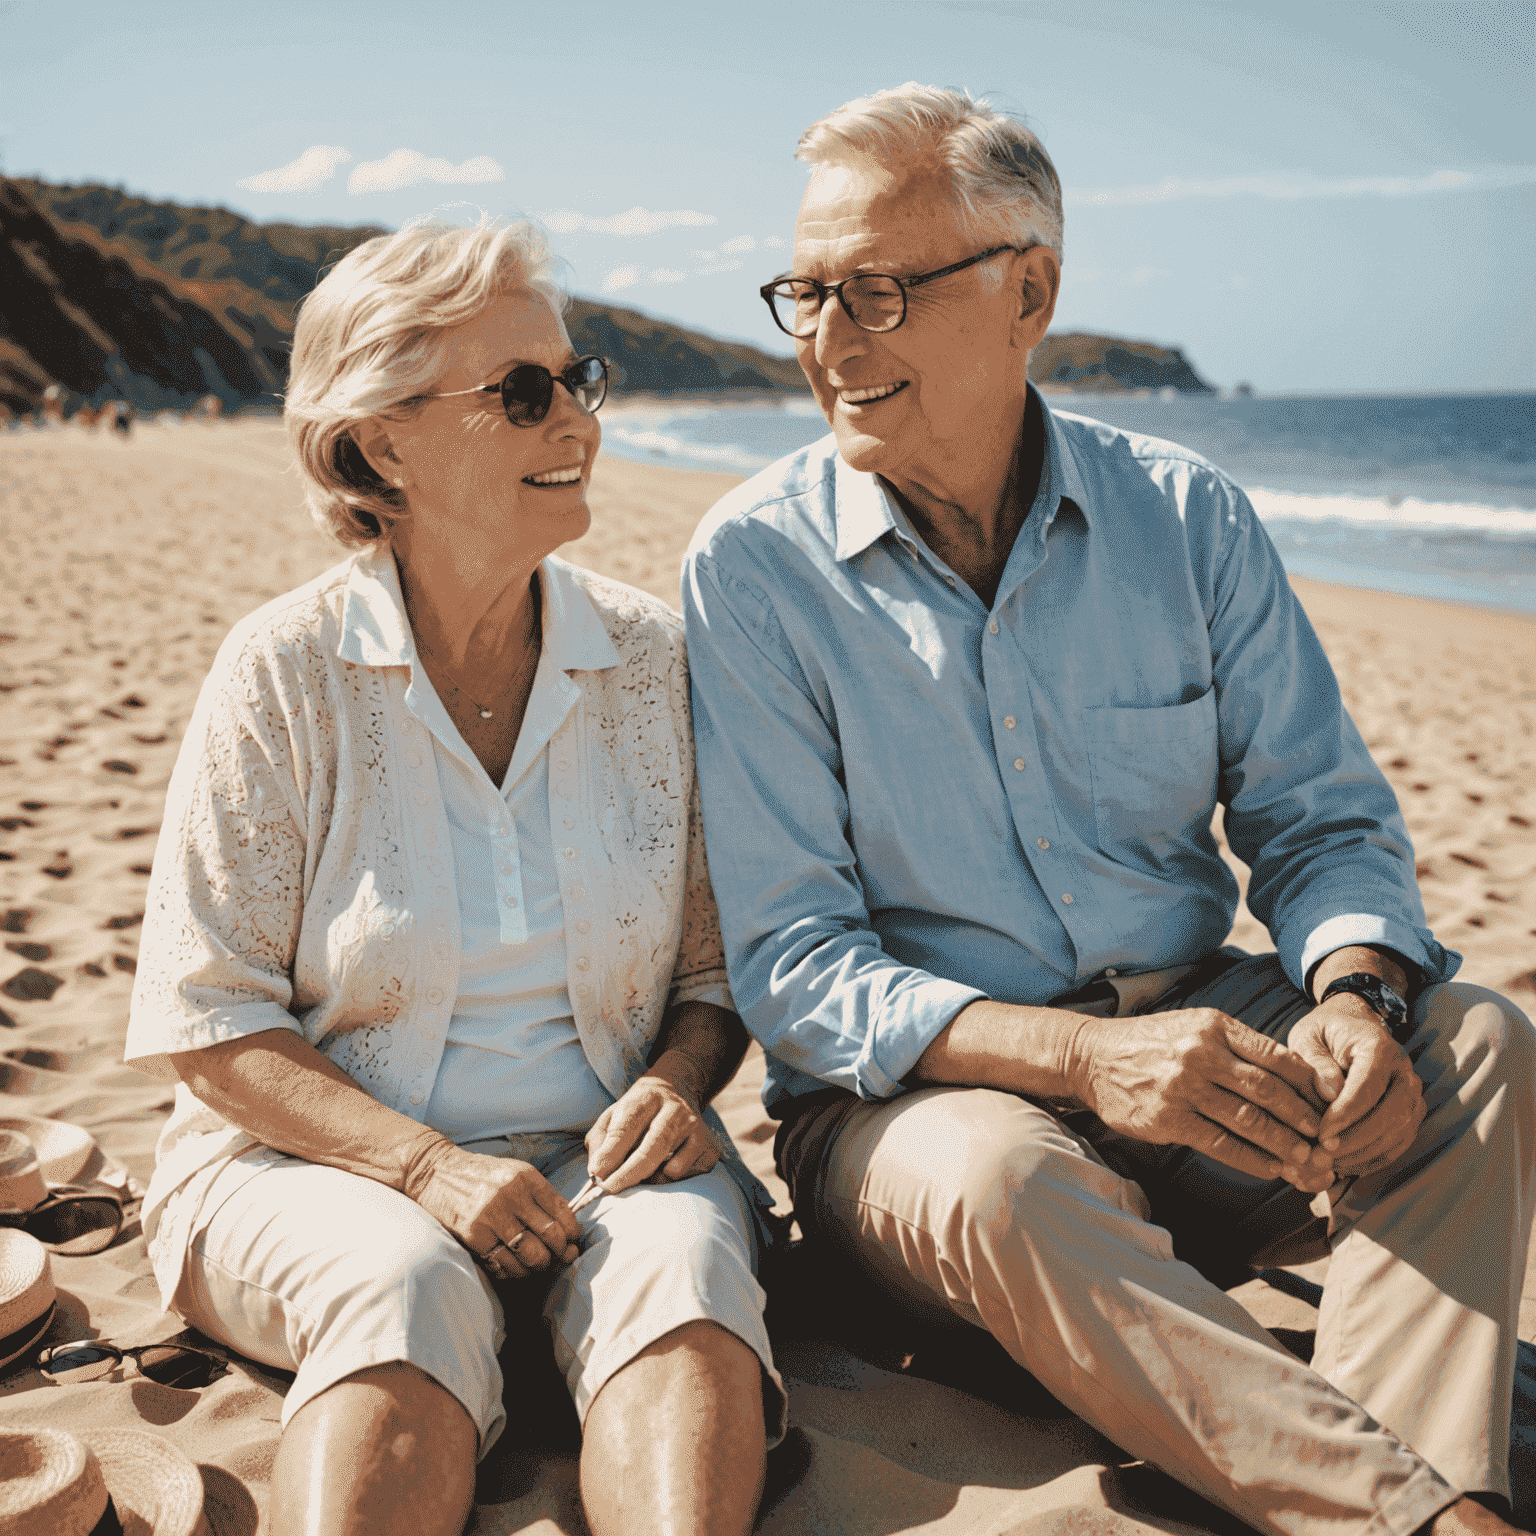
{"x": 387, "y": 1452}
{"x": 674, "y": 1443}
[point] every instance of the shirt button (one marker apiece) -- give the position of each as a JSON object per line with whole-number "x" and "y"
{"x": 992, "y": 627}
{"x": 570, "y": 853}
{"x": 1042, "y": 842}
{"x": 583, "y": 964}
{"x": 1009, "y": 721}
{"x": 434, "y": 994}
{"x": 1067, "y": 898}
{"x": 1111, "y": 971}
{"x": 1018, "y": 763}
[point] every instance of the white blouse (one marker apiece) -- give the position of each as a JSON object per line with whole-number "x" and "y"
{"x": 513, "y": 1060}
{"x": 304, "y": 874}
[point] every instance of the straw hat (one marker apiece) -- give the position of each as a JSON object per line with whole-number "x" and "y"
{"x": 58, "y": 1484}
{"x": 22, "y": 1185}
{"x": 66, "y": 1154}
{"x": 26, "y": 1294}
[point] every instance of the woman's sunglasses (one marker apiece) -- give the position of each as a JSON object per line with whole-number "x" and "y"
{"x": 529, "y": 389}
{"x": 71, "y": 1220}
{"x": 172, "y": 1365}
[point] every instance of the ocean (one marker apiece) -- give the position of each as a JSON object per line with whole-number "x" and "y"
{"x": 1427, "y": 495}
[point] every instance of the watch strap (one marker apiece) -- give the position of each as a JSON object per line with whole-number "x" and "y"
{"x": 1381, "y": 997}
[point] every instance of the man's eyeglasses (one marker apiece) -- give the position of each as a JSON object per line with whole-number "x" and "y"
{"x": 529, "y": 389}
{"x": 874, "y": 301}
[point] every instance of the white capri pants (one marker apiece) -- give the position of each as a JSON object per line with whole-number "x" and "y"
{"x": 326, "y": 1273}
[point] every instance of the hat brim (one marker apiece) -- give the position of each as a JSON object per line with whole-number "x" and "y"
{"x": 149, "y": 1477}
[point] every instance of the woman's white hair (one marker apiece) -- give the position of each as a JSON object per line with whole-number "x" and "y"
{"x": 1006, "y": 190}
{"x": 369, "y": 343}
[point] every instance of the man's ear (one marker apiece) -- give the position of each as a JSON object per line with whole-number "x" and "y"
{"x": 1036, "y": 279}
{"x": 378, "y": 448}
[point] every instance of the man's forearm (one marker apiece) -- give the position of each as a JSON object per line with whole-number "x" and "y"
{"x": 1034, "y": 1051}
{"x": 699, "y": 1047}
{"x": 1358, "y": 957}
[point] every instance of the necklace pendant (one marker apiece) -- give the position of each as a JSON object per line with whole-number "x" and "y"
{"x": 485, "y": 714}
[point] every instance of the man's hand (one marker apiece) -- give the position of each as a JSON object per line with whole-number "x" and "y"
{"x": 656, "y": 1132}
{"x": 1202, "y": 1079}
{"x": 1376, "y": 1102}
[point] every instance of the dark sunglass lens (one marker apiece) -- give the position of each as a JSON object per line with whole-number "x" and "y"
{"x": 173, "y": 1366}
{"x": 79, "y": 1362}
{"x": 876, "y": 302}
{"x": 526, "y": 393}
{"x": 75, "y": 1227}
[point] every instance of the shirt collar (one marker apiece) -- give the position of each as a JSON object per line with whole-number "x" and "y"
{"x": 866, "y": 511}
{"x": 376, "y": 633}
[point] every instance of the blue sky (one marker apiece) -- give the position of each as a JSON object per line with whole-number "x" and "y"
{"x": 1313, "y": 197}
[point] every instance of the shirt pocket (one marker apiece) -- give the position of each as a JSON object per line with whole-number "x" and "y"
{"x": 1154, "y": 774}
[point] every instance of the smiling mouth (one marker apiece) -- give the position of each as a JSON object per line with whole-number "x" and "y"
{"x": 872, "y": 394}
{"x": 555, "y": 477}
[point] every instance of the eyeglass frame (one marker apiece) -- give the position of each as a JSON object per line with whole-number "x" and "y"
{"x": 499, "y": 387}
{"x": 903, "y": 283}
{"x": 118, "y": 1354}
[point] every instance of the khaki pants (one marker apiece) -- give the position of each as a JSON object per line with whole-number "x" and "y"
{"x": 1086, "y": 1255}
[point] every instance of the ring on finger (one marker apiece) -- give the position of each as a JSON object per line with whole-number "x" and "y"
{"x": 511, "y": 1247}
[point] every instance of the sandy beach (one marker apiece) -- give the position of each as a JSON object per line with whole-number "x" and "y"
{"x": 124, "y": 565}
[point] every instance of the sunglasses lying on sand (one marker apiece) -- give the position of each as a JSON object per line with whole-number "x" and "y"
{"x": 172, "y": 1365}
{"x": 71, "y": 1219}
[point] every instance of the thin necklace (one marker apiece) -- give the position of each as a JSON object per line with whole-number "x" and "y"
{"x": 535, "y": 647}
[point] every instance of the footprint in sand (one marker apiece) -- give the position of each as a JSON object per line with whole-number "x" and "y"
{"x": 16, "y": 919}
{"x": 118, "y": 765}
{"x": 31, "y": 951}
{"x": 32, "y": 985}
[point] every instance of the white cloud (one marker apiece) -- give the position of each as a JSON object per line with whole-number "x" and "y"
{"x": 306, "y": 174}
{"x": 1294, "y": 185}
{"x": 738, "y": 246}
{"x": 636, "y": 221}
{"x": 774, "y": 243}
{"x": 642, "y": 277}
{"x": 407, "y": 167}
{"x": 710, "y": 264}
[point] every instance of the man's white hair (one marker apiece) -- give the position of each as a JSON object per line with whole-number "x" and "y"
{"x": 369, "y": 342}
{"x": 1006, "y": 190}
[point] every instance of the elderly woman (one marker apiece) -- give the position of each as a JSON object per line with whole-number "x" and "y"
{"x": 430, "y": 942}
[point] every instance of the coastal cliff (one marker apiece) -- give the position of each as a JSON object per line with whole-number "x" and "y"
{"x": 113, "y": 296}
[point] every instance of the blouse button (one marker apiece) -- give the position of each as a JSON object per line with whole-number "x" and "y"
{"x": 434, "y": 994}
{"x": 1067, "y": 898}
{"x": 1009, "y": 721}
{"x": 992, "y": 627}
{"x": 1018, "y": 763}
{"x": 583, "y": 926}
{"x": 583, "y": 964}
{"x": 1042, "y": 842}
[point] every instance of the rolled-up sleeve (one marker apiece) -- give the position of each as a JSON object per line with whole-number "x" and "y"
{"x": 225, "y": 902}
{"x": 808, "y": 972}
{"x": 1331, "y": 863}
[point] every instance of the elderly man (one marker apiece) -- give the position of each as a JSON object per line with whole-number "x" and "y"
{"x": 970, "y": 679}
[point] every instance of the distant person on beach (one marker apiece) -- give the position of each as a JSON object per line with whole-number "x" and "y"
{"x": 971, "y": 678}
{"x": 431, "y": 945}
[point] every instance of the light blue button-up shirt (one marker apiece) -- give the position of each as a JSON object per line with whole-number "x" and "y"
{"x": 912, "y": 801}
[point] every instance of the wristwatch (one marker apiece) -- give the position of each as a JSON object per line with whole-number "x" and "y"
{"x": 1381, "y": 997}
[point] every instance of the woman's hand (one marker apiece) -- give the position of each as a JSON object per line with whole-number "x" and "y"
{"x": 504, "y": 1211}
{"x": 655, "y": 1132}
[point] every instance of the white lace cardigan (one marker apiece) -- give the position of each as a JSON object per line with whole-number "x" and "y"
{"x": 304, "y": 881}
